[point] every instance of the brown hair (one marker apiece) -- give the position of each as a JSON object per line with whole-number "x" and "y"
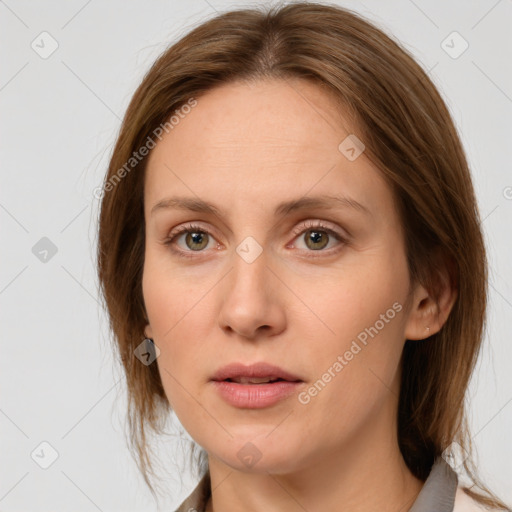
{"x": 408, "y": 133}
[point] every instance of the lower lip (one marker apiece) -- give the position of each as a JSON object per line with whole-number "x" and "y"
{"x": 255, "y": 396}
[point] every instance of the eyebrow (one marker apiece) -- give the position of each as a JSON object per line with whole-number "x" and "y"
{"x": 325, "y": 202}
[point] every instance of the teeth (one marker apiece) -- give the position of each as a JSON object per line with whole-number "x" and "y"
{"x": 253, "y": 380}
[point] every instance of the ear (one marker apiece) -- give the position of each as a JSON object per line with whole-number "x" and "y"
{"x": 148, "y": 332}
{"x": 431, "y": 307}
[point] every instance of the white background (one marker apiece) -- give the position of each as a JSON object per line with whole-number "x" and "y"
{"x": 59, "y": 118}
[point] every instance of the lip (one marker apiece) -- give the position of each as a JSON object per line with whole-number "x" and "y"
{"x": 261, "y": 369}
{"x": 255, "y": 396}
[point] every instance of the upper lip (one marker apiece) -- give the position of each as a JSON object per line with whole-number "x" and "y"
{"x": 261, "y": 369}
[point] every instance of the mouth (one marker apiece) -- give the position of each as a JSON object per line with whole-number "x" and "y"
{"x": 257, "y": 386}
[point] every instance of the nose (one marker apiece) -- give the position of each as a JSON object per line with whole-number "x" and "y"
{"x": 252, "y": 299}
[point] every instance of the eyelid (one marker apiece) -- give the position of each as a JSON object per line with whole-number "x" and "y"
{"x": 298, "y": 230}
{"x": 320, "y": 225}
{"x": 190, "y": 226}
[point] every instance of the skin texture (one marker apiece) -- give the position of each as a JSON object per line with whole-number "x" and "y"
{"x": 246, "y": 148}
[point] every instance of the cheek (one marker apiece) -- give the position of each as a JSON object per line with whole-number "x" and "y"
{"x": 179, "y": 361}
{"x": 357, "y": 355}
{"x": 168, "y": 296}
{"x": 178, "y": 313}
{"x": 344, "y": 302}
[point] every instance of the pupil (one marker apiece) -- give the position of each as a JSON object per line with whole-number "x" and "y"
{"x": 315, "y": 236}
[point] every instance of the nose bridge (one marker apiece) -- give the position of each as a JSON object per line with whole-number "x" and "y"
{"x": 250, "y": 266}
{"x": 247, "y": 299}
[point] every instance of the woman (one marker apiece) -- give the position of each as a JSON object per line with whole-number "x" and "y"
{"x": 291, "y": 258}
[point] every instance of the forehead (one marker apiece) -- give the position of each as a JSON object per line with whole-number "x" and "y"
{"x": 259, "y": 142}
{"x": 236, "y": 118}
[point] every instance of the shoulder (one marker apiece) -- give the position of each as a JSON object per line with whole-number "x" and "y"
{"x": 465, "y": 503}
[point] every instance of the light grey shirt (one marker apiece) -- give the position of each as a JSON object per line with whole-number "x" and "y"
{"x": 436, "y": 495}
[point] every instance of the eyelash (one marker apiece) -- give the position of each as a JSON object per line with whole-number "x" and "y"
{"x": 194, "y": 228}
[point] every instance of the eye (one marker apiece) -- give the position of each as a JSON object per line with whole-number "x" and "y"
{"x": 195, "y": 238}
{"x": 317, "y": 235}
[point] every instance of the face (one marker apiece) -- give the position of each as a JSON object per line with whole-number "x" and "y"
{"x": 318, "y": 290}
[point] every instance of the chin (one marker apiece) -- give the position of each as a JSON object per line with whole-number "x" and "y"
{"x": 258, "y": 454}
